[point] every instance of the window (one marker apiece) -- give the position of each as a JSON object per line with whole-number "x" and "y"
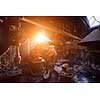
{"x": 94, "y": 20}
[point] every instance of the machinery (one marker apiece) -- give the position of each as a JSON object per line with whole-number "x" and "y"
{"x": 34, "y": 48}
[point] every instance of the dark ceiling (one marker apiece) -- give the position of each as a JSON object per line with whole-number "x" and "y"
{"x": 76, "y": 25}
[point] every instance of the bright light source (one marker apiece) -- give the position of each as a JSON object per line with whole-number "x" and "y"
{"x": 93, "y": 20}
{"x": 40, "y": 37}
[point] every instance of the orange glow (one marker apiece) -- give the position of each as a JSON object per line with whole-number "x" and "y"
{"x": 40, "y": 38}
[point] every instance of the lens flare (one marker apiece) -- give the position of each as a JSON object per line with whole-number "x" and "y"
{"x": 40, "y": 38}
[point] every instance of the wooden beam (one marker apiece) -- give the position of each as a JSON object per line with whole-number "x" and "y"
{"x": 49, "y": 29}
